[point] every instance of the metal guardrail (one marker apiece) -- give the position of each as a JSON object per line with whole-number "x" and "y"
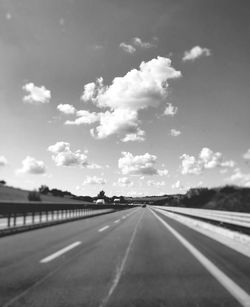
{"x": 229, "y": 217}
{"x": 21, "y": 214}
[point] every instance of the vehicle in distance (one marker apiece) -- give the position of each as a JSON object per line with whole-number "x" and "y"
{"x": 100, "y": 202}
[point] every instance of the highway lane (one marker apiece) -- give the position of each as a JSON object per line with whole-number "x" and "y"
{"x": 162, "y": 272}
{"x": 231, "y": 262}
{"x": 21, "y": 253}
{"x": 116, "y": 260}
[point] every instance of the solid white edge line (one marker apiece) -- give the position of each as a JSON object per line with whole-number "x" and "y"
{"x": 222, "y": 235}
{"x": 103, "y": 228}
{"x": 60, "y": 252}
{"x": 236, "y": 291}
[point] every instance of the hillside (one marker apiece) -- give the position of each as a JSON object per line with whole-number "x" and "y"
{"x": 228, "y": 198}
{"x": 15, "y": 194}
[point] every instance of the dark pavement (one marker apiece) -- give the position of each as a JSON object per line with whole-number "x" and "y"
{"x": 127, "y": 258}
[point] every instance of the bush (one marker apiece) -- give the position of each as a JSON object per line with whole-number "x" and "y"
{"x": 197, "y": 198}
{"x": 34, "y": 196}
{"x": 44, "y": 189}
{"x": 2, "y": 182}
{"x": 229, "y": 189}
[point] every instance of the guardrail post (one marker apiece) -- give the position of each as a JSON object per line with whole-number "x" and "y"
{"x": 9, "y": 219}
{"x": 14, "y": 219}
{"x": 24, "y": 218}
{"x": 33, "y": 217}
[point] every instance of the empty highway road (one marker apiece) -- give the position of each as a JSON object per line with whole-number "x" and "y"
{"x": 135, "y": 257}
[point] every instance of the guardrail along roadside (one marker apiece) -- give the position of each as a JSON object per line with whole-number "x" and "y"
{"x": 17, "y": 216}
{"x": 237, "y": 221}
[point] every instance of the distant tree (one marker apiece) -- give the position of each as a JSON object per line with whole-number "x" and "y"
{"x": 2, "y": 182}
{"x": 57, "y": 192}
{"x": 229, "y": 189}
{"x": 122, "y": 199}
{"x": 198, "y": 197}
{"x": 67, "y": 193}
{"x": 34, "y": 196}
{"x": 44, "y": 189}
{"x": 101, "y": 194}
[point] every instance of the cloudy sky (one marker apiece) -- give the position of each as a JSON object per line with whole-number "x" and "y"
{"x": 132, "y": 97}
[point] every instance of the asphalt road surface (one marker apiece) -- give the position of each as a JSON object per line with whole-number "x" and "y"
{"x": 134, "y": 257}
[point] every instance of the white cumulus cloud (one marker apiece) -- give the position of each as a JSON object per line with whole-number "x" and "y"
{"x": 139, "y": 165}
{"x": 63, "y": 156}
{"x": 228, "y": 164}
{"x": 66, "y": 108}
{"x": 94, "y": 180}
{"x": 139, "y": 43}
{"x": 138, "y": 136}
{"x": 32, "y": 166}
{"x": 120, "y": 121}
{"x": 170, "y": 110}
{"x": 163, "y": 172}
{"x": 189, "y": 165}
{"x": 177, "y": 185}
{"x": 139, "y": 89}
{"x": 246, "y": 155}
{"x": 207, "y": 159}
{"x": 195, "y": 53}
{"x": 127, "y": 48}
{"x": 210, "y": 159}
{"x": 156, "y": 183}
{"x": 94, "y": 166}
{"x": 3, "y": 161}
{"x": 36, "y": 94}
{"x": 84, "y": 117}
{"x": 174, "y": 132}
{"x": 239, "y": 177}
{"x": 123, "y": 182}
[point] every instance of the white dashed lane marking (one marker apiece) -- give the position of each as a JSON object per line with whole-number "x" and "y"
{"x": 103, "y": 228}
{"x": 60, "y": 252}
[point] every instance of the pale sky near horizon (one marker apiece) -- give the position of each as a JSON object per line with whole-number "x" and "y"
{"x": 130, "y": 97}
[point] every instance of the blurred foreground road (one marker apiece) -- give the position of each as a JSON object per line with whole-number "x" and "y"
{"x": 131, "y": 258}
